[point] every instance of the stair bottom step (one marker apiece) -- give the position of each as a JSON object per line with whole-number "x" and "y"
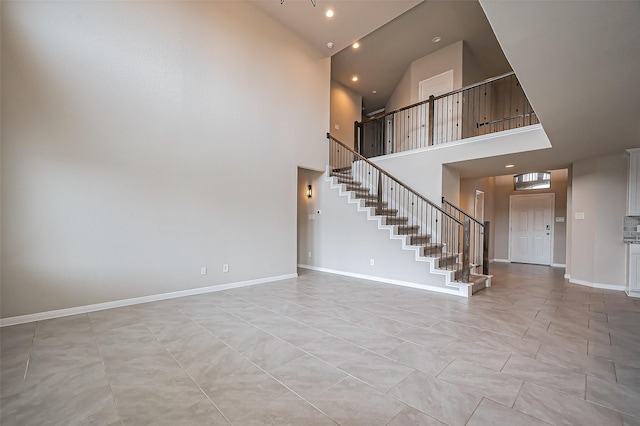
{"x": 479, "y": 282}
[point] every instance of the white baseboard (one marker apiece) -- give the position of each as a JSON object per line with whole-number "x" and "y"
{"x": 597, "y": 285}
{"x": 558, "y": 265}
{"x": 382, "y": 280}
{"x": 632, "y": 293}
{"x": 500, "y": 260}
{"x": 41, "y": 316}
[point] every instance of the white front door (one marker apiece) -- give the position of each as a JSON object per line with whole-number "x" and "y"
{"x": 531, "y": 228}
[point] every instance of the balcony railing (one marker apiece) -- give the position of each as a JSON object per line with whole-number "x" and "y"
{"x": 491, "y": 106}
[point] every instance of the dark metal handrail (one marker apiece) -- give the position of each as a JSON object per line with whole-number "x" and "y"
{"x": 453, "y": 92}
{"x": 435, "y": 232}
{"x": 398, "y": 181}
{"x": 478, "y": 232}
{"x": 493, "y": 105}
{"x": 459, "y": 210}
{"x": 478, "y": 84}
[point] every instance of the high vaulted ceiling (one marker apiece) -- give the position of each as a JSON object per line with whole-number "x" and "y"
{"x": 578, "y": 62}
{"x": 385, "y": 54}
{"x": 352, "y": 19}
{"x": 392, "y": 34}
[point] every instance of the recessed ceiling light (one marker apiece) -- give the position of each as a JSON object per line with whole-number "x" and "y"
{"x": 330, "y": 45}
{"x": 356, "y": 45}
{"x": 329, "y": 13}
{"x": 436, "y": 39}
{"x": 374, "y": 92}
{"x": 508, "y": 166}
{"x": 354, "y": 78}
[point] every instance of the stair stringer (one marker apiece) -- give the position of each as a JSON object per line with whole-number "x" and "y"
{"x": 450, "y": 286}
{"x": 402, "y": 211}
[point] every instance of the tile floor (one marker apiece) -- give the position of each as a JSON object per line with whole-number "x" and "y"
{"x": 324, "y": 350}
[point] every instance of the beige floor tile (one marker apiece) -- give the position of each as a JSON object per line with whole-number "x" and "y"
{"x": 489, "y": 383}
{"x": 409, "y": 416}
{"x": 427, "y": 360}
{"x": 377, "y": 371}
{"x": 308, "y": 373}
{"x": 618, "y": 396}
{"x": 480, "y": 354}
{"x": 492, "y": 413}
{"x": 558, "y": 378}
{"x": 354, "y": 403}
{"x": 559, "y": 408}
{"x": 443, "y": 401}
{"x": 267, "y": 354}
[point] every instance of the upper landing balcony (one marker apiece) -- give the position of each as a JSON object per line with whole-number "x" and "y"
{"x": 492, "y": 106}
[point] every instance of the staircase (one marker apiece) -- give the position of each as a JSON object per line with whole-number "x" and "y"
{"x": 432, "y": 232}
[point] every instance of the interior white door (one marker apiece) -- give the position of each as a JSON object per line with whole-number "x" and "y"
{"x": 531, "y": 228}
{"x": 478, "y": 206}
{"x": 436, "y": 86}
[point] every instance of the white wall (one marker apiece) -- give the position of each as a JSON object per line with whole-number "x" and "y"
{"x": 144, "y": 140}
{"x": 599, "y": 190}
{"x": 346, "y": 108}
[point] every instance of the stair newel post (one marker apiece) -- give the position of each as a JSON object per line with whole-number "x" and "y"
{"x": 485, "y": 248}
{"x": 466, "y": 245}
{"x": 357, "y": 136}
{"x": 379, "y": 188}
{"x": 431, "y": 116}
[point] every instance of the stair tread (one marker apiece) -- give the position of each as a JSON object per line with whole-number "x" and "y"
{"x": 420, "y": 237}
{"x": 446, "y": 261}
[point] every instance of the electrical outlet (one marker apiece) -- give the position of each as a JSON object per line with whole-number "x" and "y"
{"x": 309, "y": 254}
{"x": 225, "y": 267}
{"x": 372, "y": 262}
{"x": 203, "y": 270}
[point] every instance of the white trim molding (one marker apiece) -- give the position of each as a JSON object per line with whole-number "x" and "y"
{"x": 558, "y": 265}
{"x": 500, "y": 261}
{"x": 463, "y": 290}
{"x": 467, "y": 141}
{"x": 41, "y": 316}
{"x": 632, "y": 293}
{"x": 597, "y": 285}
{"x": 567, "y": 276}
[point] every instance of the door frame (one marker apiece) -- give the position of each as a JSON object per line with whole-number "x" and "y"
{"x": 550, "y": 195}
{"x": 447, "y": 75}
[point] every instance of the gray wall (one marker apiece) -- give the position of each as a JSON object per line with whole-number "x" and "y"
{"x": 497, "y": 193}
{"x": 445, "y": 59}
{"x": 346, "y": 108}
{"x": 468, "y": 187}
{"x": 341, "y": 238}
{"x": 504, "y": 189}
{"x": 144, "y": 140}
{"x": 599, "y": 190}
